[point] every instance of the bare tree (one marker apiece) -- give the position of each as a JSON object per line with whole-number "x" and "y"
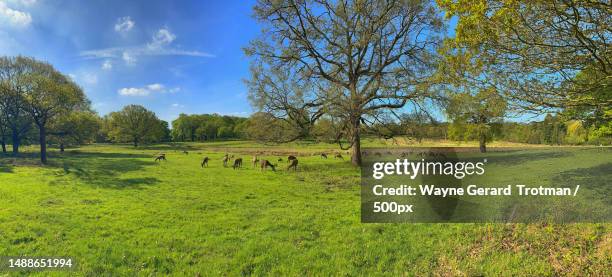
{"x": 352, "y": 58}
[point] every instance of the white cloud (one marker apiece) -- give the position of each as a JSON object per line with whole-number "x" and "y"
{"x": 160, "y": 45}
{"x": 134, "y": 92}
{"x": 124, "y": 24}
{"x": 162, "y": 38}
{"x": 177, "y": 105}
{"x": 156, "y": 87}
{"x": 26, "y": 3}
{"x": 90, "y": 78}
{"x": 128, "y": 58}
{"x": 147, "y": 90}
{"x": 16, "y": 18}
{"x": 107, "y": 65}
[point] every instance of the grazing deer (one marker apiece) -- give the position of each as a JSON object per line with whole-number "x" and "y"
{"x": 237, "y": 163}
{"x": 291, "y": 158}
{"x": 255, "y": 160}
{"x": 185, "y": 152}
{"x": 225, "y": 160}
{"x": 265, "y": 164}
{"x": 160, "y": 157}
{"x": 204, "y": 162}
{"x": 294, "y": 164}
{"x": 338, "y": 156}
{"x": 323, "y": 156}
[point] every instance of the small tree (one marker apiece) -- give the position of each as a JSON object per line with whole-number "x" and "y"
{"x": 480, "y": 110}
{"x": 136, "y": 124}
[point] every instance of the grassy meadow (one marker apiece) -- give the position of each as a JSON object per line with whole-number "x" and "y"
{"x": 117, "y": 212}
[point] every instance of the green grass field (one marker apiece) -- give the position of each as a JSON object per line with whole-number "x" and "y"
{"x": 117, "y": 212}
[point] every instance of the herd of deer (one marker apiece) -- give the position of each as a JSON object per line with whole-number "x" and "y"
{"x": 263, "y": 164}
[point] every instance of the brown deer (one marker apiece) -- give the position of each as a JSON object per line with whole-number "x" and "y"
{"x": 204, "y": 162}
{"x": 339, "y": 156}
{"x": 237, "y": 163}
{"x": 161, "y": 157}
{"x": 225, "y": 160}
{"x": 294, "y": 164}
{"x": 291, "y": 158}
{"x": 265, "y": 164}
{"x": 323, "y": 156}
{"x": 255, "y": 160}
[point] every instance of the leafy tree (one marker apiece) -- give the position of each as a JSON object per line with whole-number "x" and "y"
{"x": 48, "y": 95}
{"x": 478, "y": 110}
{"x": 12, "y": 98}
{"x": 76, "y": 127}
{"x": 533, "y": 50}
{"x": 205, "y": 127}
{"x": 352, "y": 59}
{"x": 264, "y": 127}
{"x": 136, "y": 124}
{"x": 576, "y": 133}
{"x": 416, "y": 124}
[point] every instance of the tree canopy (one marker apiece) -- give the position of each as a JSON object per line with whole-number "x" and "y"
{"x": 350, "y": 59}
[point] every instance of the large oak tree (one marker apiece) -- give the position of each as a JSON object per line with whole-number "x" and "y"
{"x": 351, "y": 59}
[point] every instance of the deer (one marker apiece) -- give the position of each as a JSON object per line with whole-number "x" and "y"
{"x": 225, "y": 160}
{"x": 185, "y": 152}
{"x": 338, "y": 156}
{"x": 255, "y": 160}
{"x": 204, "y": 162}
{"x": 291, "y": 158}
{"x": 161, "y": 157}
{"x": 237, "y": 163}
{"x": 323, "y": 156}
{"x": 265, "y": 164}
{"x": 294, "y": 164}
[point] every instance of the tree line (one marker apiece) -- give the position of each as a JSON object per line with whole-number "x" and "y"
{"x": 203, "y": 127}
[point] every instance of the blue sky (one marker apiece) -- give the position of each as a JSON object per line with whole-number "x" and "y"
{"x": 169, "y": 56}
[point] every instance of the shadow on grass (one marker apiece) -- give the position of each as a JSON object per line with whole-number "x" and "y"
{"x": 5, "y": 169}
{"x": 596, "y": 179}
{"x": 104, "y": 169}
{"x": 101, "y": 170}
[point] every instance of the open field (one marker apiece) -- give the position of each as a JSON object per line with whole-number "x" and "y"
{"x": 116, "y": 211}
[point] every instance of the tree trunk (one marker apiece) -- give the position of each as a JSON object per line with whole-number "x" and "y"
{"x": 135, "y": 142}
{"x": 483, "y": 146}
{"x": 43, "y": 144}
{"x": 16, "y": 141}
{"x": 62, "y": 147}
{"x": 356, "y": 149}
{"x": 3, "y": 146}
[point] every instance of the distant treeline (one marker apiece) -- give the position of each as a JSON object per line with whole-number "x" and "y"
{"x": 553, "y": 130}
{"x": 203, "y": 127}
